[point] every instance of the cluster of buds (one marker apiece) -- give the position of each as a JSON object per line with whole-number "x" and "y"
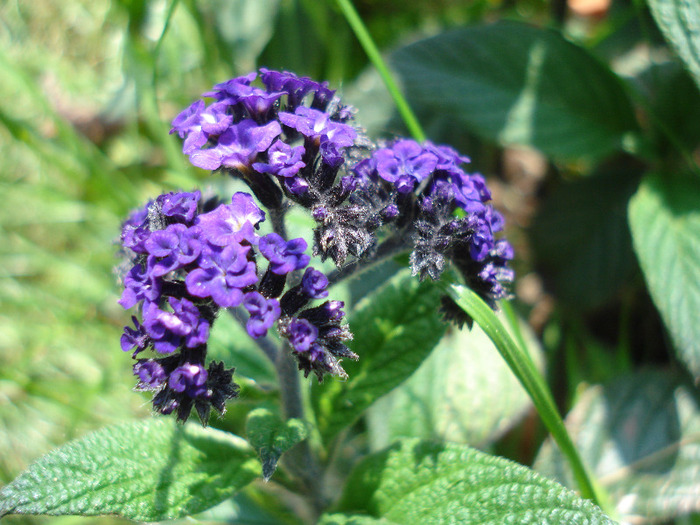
{"x": 293, "y": 143}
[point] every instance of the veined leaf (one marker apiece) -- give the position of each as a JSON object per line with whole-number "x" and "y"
{"x": 664, "y": 218}
{"x": 416, "y": 482}
{"x": 518, "y": 84}
{"x": 149, "y": 471}
{"x": 641, "y": 437}
{"x": 394, "y": 330}
{"x": 271, "y": 437}
{"x": 679, "y": 21}
{"x": 463, "y": 392}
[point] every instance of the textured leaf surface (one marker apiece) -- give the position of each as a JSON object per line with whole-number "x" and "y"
{"x": 150, "y": 470}
{"x": 271, "y": 437}
{"x": 395, "y": 329}
{"x": 679, "y": 21}
{"x": 664, "y": 218}
{"x": 416, "y": 482}
{"x": 582, "y": 239}
{"x": 519, "y": 85}
{"x": 641, "y": 438}
{"x": 463, "y": 392}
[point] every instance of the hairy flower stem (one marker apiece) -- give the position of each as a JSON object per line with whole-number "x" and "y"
{"x": 300, "y": 459}
{"x": 389, "y": 248}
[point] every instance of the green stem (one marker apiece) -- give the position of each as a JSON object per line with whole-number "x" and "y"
{"x": 375, "y": 57}
{"x": 524, "y": 369}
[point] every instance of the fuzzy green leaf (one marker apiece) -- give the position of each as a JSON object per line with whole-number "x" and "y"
{"x": 463, "y": 392}
{"x": 518, "y": 84}
{"x": 394, "y": 329}
{"x": 641, "y": 437}
{"x": 271, "y": 437}
{"x": 416, "y": 482}
{"x": 679, "y": 21}
{"x": 664, "y": 218}
{"x": 148, "y": 471}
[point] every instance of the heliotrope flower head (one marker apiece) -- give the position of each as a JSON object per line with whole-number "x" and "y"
{"x": 293, "y": 143}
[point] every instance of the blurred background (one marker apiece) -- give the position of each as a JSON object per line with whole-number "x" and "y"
{"x": 88, "y": 91}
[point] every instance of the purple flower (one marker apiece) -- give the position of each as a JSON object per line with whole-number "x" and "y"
{"x": 405, "y": 164}
{"x": 188, "y": 119}
{"x": 238, "y": 146}
{"x": 296, "y": 87}
{"x": 263, "y": 314}
{"x": 283, "y": 160}
{"x": 314, "y": 284}
{"x": 448, "y": 158}
{"x": 190, "y": 379}
{"x": 169, "y": 329}
{"x": 230, "y": 89}
{"x": 232, "y": 223}
{"x": 284, "y": 256}
{"x": 175, "y": 247}
{"x": 180, "y": 206}
{"x": 257, "y": 101}
{"x": 301, "y": 334}
{"x": 134, "y": 338}
{"x": 150, "y": 373}
{"x": 223, "y": 274}
{"x": 140, "y": 284}
{"x": 317, "y": 125}
{"x": 135, "y": 230}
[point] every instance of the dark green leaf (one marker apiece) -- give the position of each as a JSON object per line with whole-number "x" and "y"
{"x": 151, "y": 470}
{"x": 416, "y": 482}
{"x": 581, "y": 238}
{"x": 664, "y": 218}
{"x": 640, "y": 436}
{"x": 679, "y": 21}
{"x": 271, "y": 437}
{"x": 395, "y": 329}
{"x": 463, "y": 392}
{"x": 519, "y": 85}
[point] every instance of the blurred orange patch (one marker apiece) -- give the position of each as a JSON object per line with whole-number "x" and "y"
{"x": 589, "y": 7}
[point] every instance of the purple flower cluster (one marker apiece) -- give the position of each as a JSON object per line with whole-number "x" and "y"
{"x": 318, "y": 337}
{"x": 186, "y": 265}
{"x": 450, "y": 216}
{"x": 292, "y": 142}
{"x": 280, "y": 137}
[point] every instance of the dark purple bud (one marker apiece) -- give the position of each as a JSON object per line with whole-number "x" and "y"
{"x": 301, "y": 334}
{"x": 314, "y": 284}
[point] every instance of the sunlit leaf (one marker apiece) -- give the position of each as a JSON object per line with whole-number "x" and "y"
{"x": 664, "y": 217}
{"x": 151, "y": 470}
{"x": 416, "y": 482}
{"x": 518, "y": 84}
{"x": 640, "y": 436}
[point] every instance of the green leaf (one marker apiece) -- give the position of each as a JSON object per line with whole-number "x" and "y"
{"x": 463, "y": 392}
{"x": 148, "y": 471}
{"x": 416, "y": 482}
{"x": 641, "y": 437}
{"x": 394, "y": 330}
{"x": 271, "y": 437}
{"x": 679, "y": 21}
{"x": 664, "y": 218}
{"x": 345, "y": 519}
{"x": 518, "y": 84}
{"x": 582, "y": 239}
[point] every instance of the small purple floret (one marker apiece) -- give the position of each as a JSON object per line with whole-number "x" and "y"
{"x": 190, "y": 379}
{"x": 263, "y": 314}
{"x": 223, "y": 274}
{"x": 314, "y": 284}
{"x": 301, "y": 334}
{"x": 284, "y": 256}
